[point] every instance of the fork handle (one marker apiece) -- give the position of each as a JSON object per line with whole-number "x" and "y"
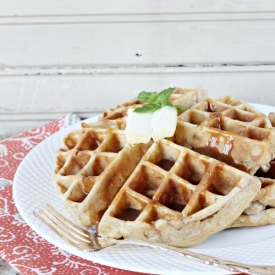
{"x": 229, "y": 265}
{"x": 210, "y": 260}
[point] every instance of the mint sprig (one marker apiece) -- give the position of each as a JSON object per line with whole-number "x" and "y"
{"x": 156, "y": 101}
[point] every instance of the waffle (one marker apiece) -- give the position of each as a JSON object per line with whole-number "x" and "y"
{"x": 271, "y": 117}
{"x": 116, "y": 118}
{"x": 229, "y": 100}
{"x": 238, "y": 110}
{"x": 91, "y": 168}
{"x": 178, "y": 197}
{"x": 230, "y": 131}
{"x": 98, "y": 155}
{"x": 261, "y": 211}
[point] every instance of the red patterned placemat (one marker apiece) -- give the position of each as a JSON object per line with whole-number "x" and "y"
{"x": 20, "y": 246}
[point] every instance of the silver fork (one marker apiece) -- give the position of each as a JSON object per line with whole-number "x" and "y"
{"x": 91, "y": 241}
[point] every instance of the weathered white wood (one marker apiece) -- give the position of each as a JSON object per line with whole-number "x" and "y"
{"x": 88, "y": 92}
{"x": 83, "y": 7}
{"x": 85, "y": 56}
{"x": 130, "y": 18}
{"x": 28, "y": 101}
{"x": 137, "y": 44}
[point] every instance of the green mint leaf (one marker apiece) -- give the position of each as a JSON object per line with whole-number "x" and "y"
{"x": 180, "y": 107}
{"x": 168, "y": 103}
{"x": 164, "y": 95}
{"x": 146, "y": 108}
{"x": 148, "y": 97}
{"x": 163, "y": 98}
{"x": 156, "y": 101}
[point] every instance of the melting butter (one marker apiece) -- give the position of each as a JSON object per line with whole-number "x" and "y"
{"x": 164, "y": 122}
{"x": 141, "y": 127}
{"x": 138, "y": 127}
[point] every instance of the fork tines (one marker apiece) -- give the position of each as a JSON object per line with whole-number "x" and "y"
{"x": 66, "y": 229}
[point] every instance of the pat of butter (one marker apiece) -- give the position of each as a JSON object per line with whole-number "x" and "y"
{"x": 164, "y": 122}
{"x": 138, "y": 128}
{"x": 141, "y": 127}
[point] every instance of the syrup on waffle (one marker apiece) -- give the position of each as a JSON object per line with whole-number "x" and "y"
{"x": 230, "y": 131}
{"x": 178, "y": 197}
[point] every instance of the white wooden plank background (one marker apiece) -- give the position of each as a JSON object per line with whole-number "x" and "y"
{"x": 85, "y": 56}
{"x": 83, "y": 7}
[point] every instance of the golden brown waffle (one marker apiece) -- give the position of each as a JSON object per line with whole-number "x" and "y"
{"x": 261, "y": 211}
{"x": 237, "y": 110}
{"x": 271, "y": 117}
{"x": 188, "y": 97}
{"x": 91, "y": 168}
{"x": 178, "y": 197}
{"x": 116, "y": 118}
{"x": 233, "y": 133}
{"x": 229, "y": 100}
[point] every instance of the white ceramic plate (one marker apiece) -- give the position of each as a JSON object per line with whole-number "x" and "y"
{"x": 32, "y": 188}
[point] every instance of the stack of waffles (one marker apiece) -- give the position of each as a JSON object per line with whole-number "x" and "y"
{"x": 216, "y": 172}
{"x": 236, "y": 133}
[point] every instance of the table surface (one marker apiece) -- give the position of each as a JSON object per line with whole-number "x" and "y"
{"x": 20, "y": 246}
